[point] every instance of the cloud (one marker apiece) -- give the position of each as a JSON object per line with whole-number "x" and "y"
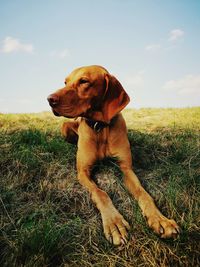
{"x": 11, "y": 44}
{"x": 64, "y": 53}
{"x": 61, "y": 53}
{"x": 175, "y": 35}
{"x": 190, "y": 84}
{"x": 152, "y": 47}
{"x": 135, "y": 80}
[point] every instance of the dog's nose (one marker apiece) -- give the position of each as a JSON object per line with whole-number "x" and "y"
{"x": 53, "y": 100}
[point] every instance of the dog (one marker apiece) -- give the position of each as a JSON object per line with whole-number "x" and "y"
{"x": 96, "y": 98}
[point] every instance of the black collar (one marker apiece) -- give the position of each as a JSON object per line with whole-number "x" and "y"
{"x": 97, "y": 126}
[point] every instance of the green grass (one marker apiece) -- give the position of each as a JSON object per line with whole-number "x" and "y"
{"x": 47, "y": 218}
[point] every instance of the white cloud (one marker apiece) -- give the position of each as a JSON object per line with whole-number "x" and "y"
{"x": 175, "y": 35}
{"x": 11, "y": 44}
{"x": 190, "y": 84}
{"x": 152, "y": 47}
{"x": 60, "y": 54}
{"x": 64, "y": 53}
{"x": 135, "y": 80}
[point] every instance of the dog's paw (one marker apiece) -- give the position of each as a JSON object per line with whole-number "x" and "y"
{"x": 115, "y": 227}
{"x": 163, "y": 226}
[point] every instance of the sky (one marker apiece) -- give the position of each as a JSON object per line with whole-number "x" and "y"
{"x": 151, "y": 46}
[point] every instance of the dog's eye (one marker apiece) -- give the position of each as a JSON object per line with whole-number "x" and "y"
{"x": 65, "y": 82}
{"x": 83, "y": 80}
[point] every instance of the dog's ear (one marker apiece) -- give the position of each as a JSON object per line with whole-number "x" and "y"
{"x": 115, "y": 98}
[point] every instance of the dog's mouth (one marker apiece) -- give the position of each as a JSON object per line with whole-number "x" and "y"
{"x": 56, "y": 113}
{"x": 64, "y": 115}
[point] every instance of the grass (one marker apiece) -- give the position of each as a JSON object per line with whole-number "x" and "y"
{"x": 47, "y": 218}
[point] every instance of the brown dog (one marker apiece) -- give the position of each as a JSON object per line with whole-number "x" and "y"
{"x": 97, "y": 97}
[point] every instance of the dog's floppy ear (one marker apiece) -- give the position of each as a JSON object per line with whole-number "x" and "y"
{"x": 115, "y": 98}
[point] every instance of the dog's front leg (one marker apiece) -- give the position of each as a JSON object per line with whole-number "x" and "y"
{"x": 157, "y": 221}
{"x": 114, "y": 225}
{"x": 163, "y": 226}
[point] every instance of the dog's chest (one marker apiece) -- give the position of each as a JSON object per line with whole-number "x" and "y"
{"x": 103, "y": 144}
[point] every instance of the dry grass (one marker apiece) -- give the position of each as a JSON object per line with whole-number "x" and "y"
{"x": 47, "y": 218}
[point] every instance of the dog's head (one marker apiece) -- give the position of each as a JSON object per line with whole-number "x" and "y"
{"x": 89, "y": 92}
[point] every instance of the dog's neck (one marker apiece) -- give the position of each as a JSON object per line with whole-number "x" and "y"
{"x": 98, "y": 126}
{"x": 95, "y": 115}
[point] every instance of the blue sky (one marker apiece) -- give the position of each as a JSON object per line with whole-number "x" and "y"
{"x": 151, "y": 46}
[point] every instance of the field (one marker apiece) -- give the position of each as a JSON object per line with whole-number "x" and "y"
{"x": 47, "y": 218}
